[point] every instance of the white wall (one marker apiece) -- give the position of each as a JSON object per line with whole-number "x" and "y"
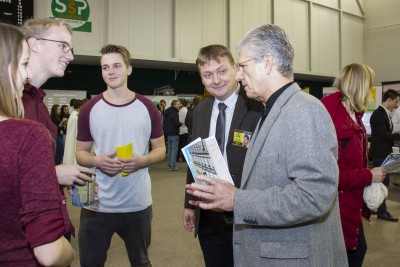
{"x": 326, "y": 34}
{"x": 245, "y": 15}
{"x": 382, "y": 38}
{"x": 84, "y": 43}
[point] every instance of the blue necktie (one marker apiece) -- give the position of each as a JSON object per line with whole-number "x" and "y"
{"x": 220, "y": 127}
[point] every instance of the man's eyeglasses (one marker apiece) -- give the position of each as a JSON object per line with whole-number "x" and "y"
{"x": 241, "y": 65}
{"x": 65, "y": 48}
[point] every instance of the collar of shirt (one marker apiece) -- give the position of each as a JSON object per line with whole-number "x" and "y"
{"x": 272, "y": 99}
{"x": 387, "y": 111}
{"x": 36, "y": 93}
{"x": 231, "y": 103}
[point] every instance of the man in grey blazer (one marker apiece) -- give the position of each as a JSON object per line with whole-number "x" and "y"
{"x": 286, "y": 211}
{"x": 217, "y": 71}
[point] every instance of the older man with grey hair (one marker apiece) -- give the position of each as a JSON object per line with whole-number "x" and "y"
{"x": 286, "y": 211}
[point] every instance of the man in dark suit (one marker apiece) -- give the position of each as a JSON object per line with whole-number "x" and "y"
{"x": 217, "y": 71}
{"x": 382, "y": 140}
{"x": 286, "y": 211}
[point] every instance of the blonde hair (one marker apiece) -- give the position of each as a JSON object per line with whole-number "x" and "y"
{"x": 11, "y": 45}
{"x": 39, "y": 26}
{"x": 354, "y": 82}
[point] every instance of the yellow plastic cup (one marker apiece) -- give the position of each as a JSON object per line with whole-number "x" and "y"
{"x": 124, "y": 152}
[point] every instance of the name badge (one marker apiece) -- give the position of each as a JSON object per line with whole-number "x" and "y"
{"x": 241, "y": 138}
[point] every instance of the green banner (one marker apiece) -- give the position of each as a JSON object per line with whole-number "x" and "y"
{"x": 75, "y": 12}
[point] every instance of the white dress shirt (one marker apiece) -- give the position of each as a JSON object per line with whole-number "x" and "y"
{"x": 230, "y": 102}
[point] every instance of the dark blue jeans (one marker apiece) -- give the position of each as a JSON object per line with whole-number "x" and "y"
{"x": 59, "y": 149}
{"x": 173, "y": 143}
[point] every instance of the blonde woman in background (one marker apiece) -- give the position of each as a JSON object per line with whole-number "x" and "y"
{"x": 346, "y": 108}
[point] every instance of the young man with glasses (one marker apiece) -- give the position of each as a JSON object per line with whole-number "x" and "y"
{"x": 50, "y": 42}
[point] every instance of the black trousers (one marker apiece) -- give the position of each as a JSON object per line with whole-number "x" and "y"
{"x": 356, "y": 258}
{"x": 382, "y": 210}
{"x": 97, "y": 228}
{"x": 215, "y": 238}
{"x": 183, "y": 141}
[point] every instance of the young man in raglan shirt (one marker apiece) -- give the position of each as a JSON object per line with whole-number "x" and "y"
{"x": 114, "y": 118}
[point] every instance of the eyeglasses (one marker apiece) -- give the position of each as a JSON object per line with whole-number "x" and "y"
{"x": 241, "y": 65}
{"x": 65, "y": 48}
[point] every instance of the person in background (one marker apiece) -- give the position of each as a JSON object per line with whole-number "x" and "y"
{"x": 71, "y": 105}
{"x": 161, "y": 106}
{"x": 55, "y": 115}
{"x": 396, "y": 128}
{"x": 183, "y": 130}
{"x": 32, "y": 209}
{"x": 346, "y": 108}
{"x": 189, "y": 117}
{"x": 50, "y": 43}
{"x": 64, "y": 115}
{"x": 382, "y": 140}
{"x": 171, "y": 129}
{"x": 217, "y": 71}
{"x": 70, "y": 139}
{"x": 64, "y": 112}
{"x": 124, "y": 204}
{"x": 64, "y": 121}
{"x": 285, "y": 211}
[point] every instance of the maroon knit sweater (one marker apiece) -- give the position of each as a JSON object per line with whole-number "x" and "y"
{"x": 32, "y": 210}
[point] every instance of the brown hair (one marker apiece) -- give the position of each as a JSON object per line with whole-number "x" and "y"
{"x": 110, "y": 48}
{"x": 213, "y": 52}
{"x": 390, "y": 94}
{"x": 11, "y": 45}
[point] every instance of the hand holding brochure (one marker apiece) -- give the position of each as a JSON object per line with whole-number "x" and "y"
{"x": 392, "y": 163}
{"x": 204, "y": 157}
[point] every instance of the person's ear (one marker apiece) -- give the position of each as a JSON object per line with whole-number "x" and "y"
{"x": 33, "y": 44}
{"x": 268, "y": 60}
{"x": 129, "y": 70}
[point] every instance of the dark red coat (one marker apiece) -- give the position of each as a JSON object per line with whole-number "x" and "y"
{"x": 353, "y": 172}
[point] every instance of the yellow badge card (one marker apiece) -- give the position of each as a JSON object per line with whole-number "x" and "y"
{"x": 241, "y": 138}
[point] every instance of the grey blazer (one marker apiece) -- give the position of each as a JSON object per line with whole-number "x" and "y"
{"x": 286, "y": 211}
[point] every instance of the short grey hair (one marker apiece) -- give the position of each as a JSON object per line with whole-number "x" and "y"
{"x": 270, "y": 39}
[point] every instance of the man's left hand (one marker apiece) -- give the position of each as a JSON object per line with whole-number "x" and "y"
{"x": 133, "y": 164}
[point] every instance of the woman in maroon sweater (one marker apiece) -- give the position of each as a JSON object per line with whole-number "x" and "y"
{"x": 32, "y": 210}
{"x": 346, "y": 108}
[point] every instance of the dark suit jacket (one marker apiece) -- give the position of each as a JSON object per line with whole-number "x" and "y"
{"x": 245, "y": 118}
{"x": 381, "y": 135}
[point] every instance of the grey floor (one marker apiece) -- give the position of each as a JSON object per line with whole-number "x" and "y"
{"x": 173, "y": 246}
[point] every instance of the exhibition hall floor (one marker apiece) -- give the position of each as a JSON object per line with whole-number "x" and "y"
{"x": 173, "y": 246}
